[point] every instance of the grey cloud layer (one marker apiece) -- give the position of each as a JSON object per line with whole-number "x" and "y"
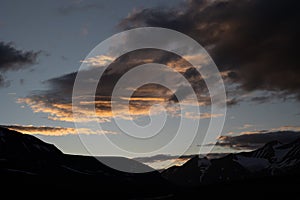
{"x": 257, "y": 41}
{"x": 257, "y": 139}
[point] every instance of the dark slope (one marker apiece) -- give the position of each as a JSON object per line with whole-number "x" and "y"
{"x": 29, "y": 166}
{"x": 27, "y": 163}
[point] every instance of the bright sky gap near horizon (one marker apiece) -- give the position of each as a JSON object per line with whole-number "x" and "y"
{"x": 42, "y": 44}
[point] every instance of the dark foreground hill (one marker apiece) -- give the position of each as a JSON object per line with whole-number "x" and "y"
{"x": 32, "y": 166}
{"x": 29, "y": 164}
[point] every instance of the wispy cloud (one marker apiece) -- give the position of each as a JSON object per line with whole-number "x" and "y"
{"x": 246, "y": 126}
{"x": 53, "y": 131}
{"x": 191, "y": 115}
{"x": 287, "y": 128}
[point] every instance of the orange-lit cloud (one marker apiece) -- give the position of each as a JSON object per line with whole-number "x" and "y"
{"x": 98, "y": 61}
{"x": 162, "y": 160}
{"x": 162, "y": 164}
{"x": 56, "y": 101}
{"x": 54, "y": 131}
{"x": 191, "y": 115}
{"x": 246, "y": 126}
{"x": 137, "y": 107}
{"x": 287, "y": 128}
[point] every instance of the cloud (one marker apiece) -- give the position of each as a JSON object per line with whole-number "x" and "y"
{"x": 191, "y": 115}
{"x": 98, "y": 61}
{"x": 252, "y": 51}
{"x": 62, "y": 111}
{"x": 53, "y": 131}
{"x": 57, "y": 99}
{"x": 287, "y": 128}
{"x": 246, "y": 126}
{"x": 12, "y": 59}
{"x": 56, "y": 110}
{"x": 160, "y": 161}
{"x": 256, "y": 139}
{"x": 162, "y": 157}
{"x": 256, "y": 41}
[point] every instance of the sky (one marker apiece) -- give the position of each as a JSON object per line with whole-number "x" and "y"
{"x": 253, "y": 44}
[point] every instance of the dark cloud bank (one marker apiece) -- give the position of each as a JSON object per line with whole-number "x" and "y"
{"x": 257, "y": 41}
{"x": 12, "y": 59}
{"x": 253, "y": 42}
{"x": 258, "y": 139}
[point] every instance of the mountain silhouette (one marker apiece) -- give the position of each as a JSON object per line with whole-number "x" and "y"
{"x": 28, "y": 163}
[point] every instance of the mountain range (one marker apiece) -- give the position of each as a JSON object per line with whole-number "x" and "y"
{"x": 27, "y": 163}
{"x": 273, "y": 159}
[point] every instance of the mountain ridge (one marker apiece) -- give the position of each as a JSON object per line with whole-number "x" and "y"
{"x": 27, "y": 162}
{"x": 272, "y": 159}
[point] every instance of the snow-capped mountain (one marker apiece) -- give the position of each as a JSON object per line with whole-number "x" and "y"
{"x": 273, "y": 159}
